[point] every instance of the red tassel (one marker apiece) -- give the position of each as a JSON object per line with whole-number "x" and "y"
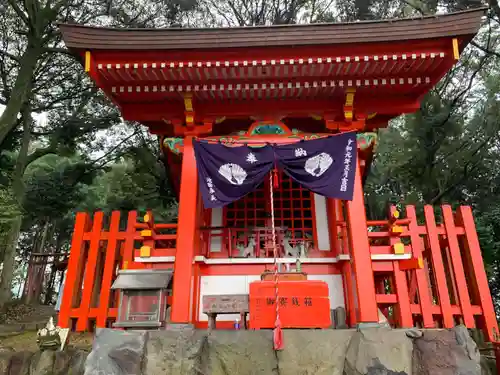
{"x": 276, "y": 182}
{"x": 278, "y": 337}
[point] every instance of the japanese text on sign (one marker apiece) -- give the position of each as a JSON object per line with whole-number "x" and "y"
{"x": 211, "y": 190}
{"x": 293, "y": 301}
{"x": 347, "y": 165}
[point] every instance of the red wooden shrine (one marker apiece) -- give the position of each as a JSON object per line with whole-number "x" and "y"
{"x": 278, "y": 84}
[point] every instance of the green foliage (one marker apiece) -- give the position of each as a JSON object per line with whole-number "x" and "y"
{"x": 53, "y": 186}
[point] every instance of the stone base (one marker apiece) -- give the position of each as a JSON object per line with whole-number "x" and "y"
{"x": 186, "y": 351}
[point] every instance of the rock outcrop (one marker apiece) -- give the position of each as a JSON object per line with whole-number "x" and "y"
{"x": 176, "y": 352}
{"x": 379, "y": 351}
{"x": 186, "y": 351}
{"x": 446, "y": 352}
{"x": 314, "y": 352}
{"x": 68, "y": 362}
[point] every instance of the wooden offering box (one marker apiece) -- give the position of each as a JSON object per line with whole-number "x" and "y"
{"x": 302, "y": 304}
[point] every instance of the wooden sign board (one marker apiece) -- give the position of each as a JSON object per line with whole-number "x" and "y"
{"x": 225, "y": 304}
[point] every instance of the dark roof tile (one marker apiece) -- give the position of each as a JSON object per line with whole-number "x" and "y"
{"x": 465, "y": 24}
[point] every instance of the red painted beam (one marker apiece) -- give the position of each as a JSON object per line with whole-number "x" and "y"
{"x": 351, "y": 50}
{"x": 151, "y": 111}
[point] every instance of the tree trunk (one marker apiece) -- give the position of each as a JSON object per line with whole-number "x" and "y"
{"x": 9, "y": 261}
{"x": 50, "y": 286}
{"x": 20, "y": 92}
{"x": 15, "y": 227}
{"x": 38, "y": 270}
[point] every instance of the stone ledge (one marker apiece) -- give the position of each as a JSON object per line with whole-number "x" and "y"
{"x": 186, "y": 351}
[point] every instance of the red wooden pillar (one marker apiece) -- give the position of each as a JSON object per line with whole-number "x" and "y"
{"x": 186, "y": 233}
{"x": 128, "y": 245}
{"x": 458, "y": 268}
{"x": 109, "y": 270}
{"x": 424, "y": 291}
{"x": 75, "y": 265}
{"x": 473, "y": 255}
{"x": 367, "y": 310}
{"x": 438, "y": 267}
{"x": 82, "y": 323}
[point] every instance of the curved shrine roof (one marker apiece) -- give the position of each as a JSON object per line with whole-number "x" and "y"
{"x": 350, "y": 75}
{"x": 465, "y": 23}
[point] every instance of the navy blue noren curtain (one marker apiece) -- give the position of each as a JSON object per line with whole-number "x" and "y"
{"x": 326, "y": 166}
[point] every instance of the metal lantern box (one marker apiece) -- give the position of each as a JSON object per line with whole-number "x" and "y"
{"x": 143, "y": 298}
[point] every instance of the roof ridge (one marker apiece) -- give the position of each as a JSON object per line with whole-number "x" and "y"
{"x": 289, "y": 26}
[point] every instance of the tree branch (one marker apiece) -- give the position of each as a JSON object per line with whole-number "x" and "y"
{"x": 10, "y": 56}
{"x": 19, "y": 12}
{"x": 58, "y": 50}
{"x": 496, "y": 8}
{"x": 37, "y": 154}
{"x": 485, "y": 50}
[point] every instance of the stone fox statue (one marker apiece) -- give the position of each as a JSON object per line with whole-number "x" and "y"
{"x": 297, "y": 251}
{"x": 247, "y": 251}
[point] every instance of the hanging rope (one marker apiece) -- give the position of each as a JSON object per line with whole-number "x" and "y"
{"x": 277, "y": 333}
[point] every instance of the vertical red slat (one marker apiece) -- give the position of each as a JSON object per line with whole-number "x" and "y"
{"x": 82, "y": 323}
{"x": 458, "y": 267}
{"x": 70, "y": 287}
{"x": 474, "y": 251}
{"x": 403, "y": 310}
{"x": 128, "y": 245}
{"x": 349, "y": 294}
{"x": 423, "y": 287}
{"x": 360, "y": 254}
{"x": 405, "y": 318}
{"x": 438, "y": 267}
{"x": 196, "y": 293}
{"x": 109, "y": 269}
{"x": 347, "y": 274}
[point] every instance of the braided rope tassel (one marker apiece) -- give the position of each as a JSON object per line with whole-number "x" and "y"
{"x": 277, "y": 333}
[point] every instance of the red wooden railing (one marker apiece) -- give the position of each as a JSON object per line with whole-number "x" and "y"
{"x": 98, "y": 250}
{"x": 444, "y": 283}
{"x": 428, "y": 274}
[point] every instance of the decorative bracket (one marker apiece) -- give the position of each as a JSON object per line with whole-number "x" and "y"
{"x": 456, "y": 50}
{"x": 189, "y": 111}
{"x": 87, "y": 61}
{"x": 349, "y": 104}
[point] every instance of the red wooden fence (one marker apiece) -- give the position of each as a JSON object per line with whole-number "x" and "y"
{"x": 98, "y": 250}
{"x": 442, "y": 283}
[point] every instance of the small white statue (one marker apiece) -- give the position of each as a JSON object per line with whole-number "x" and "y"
{"x": 247, "y": 251}
{"x": 289, "y": 249}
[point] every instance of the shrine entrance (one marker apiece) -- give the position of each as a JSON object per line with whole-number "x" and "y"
{"x": 293, "y": 209}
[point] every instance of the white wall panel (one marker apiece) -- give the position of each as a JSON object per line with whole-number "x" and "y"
{"x": 216, "y": 221}
{"x": 321, "y": 223}
{"x": 335, "y": 288}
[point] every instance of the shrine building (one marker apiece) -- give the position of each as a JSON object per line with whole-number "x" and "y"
{"x": 266, "y": 88}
